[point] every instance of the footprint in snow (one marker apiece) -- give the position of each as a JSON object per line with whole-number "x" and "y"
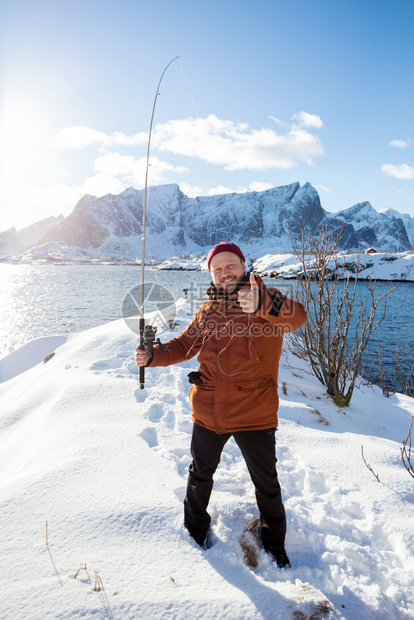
{"x": 149, "y": 435}
{"x": 180, "y": 493}
{"x": 169, "y": 419}
{"x": 121, "y": 363}
{"x": 182, "y": 459}
{"x": 328, "y": 527}
{"x": 185, "y": 425}
{"x": 154, "y": 413}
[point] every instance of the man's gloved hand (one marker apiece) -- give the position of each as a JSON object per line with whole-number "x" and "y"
{"x": 195, "y": 377}
{"x": 250, "y": 299}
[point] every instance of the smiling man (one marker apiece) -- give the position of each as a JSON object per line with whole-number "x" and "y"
{"x": 238, "y": 336}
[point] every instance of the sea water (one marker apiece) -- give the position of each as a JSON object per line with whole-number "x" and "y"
{"x": 53, "y": 298}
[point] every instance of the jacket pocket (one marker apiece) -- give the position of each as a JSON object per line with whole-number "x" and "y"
{"x": 252, "y": 403}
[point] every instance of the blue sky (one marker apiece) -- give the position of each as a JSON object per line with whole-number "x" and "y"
{"x": 264, "y": 94}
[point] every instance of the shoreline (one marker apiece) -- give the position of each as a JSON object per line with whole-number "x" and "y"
{"x": 288, "y": 273}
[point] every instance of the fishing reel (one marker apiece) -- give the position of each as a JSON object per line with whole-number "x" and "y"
{"x": 148, "y": 341}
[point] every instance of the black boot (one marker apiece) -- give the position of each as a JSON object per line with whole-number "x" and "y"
{"x": 200, "y": 537}
{"x": 279, "y": 555}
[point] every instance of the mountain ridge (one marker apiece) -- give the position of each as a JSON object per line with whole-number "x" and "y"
{"x": 261, "y": 222}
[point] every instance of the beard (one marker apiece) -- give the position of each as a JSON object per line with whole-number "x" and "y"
{"x": 229, "y": 286}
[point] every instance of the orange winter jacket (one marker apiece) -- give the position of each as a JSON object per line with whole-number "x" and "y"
{"x": 239, "y": 357}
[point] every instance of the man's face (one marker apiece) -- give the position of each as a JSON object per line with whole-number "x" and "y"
{"x": 227, "y": 270}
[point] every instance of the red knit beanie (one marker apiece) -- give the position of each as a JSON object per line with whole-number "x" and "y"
{"x": 224, "y": 246}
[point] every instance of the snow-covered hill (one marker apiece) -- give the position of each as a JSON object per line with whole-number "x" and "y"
{"x": 380, "y": 266}
{"x": 52, "y": 251}
{"x": 261, "y": 222}
{"x": 104, "y": 464}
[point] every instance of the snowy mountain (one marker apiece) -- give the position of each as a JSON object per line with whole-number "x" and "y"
{"x": 12, "y": 241}
{"x": 372, "y": 228}
{"x": 261, "y": 222}
{"x": 258, "y": 221}
{"x": 406, "y": 218}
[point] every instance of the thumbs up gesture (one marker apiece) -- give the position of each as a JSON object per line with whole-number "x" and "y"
{"x": 249, "y": 297}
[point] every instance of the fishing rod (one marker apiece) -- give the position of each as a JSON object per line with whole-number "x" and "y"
{"x": 147, "y": 332}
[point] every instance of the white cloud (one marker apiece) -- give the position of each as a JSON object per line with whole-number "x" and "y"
{"x": 399, "y": 172}
{"x": 276, "y": 120}
{"x": 221, "y": 189}
{"x": 259, "y": 186}
{"x": 235, "y": 145}
{"x": 100, "y": 185}
{"x": 116, "y": 164}
{"x": 81, "y": 137}
{"x": 191, "y": 190}
{"x": 303, "y": 119}
{"x": 323, "y": 189}
{"x": 255, "y": 186}
{"x": 60, "y": 197}
{"x": 400, "y": 144}
{"x": 132, "y": 170}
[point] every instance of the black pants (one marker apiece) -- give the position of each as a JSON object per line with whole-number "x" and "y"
{"x": 259, "y": 452}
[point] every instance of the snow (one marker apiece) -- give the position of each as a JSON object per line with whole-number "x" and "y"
{"x": 381, "y": 266}
{"x": 31, "y": 353}
{"x": 178, "y": 264}
{"x": 105, "y": 463}
{"x": 52, "y": 251}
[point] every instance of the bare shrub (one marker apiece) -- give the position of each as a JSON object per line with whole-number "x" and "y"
{"x": 340, "y": 323}
{"x": 396, "y": 376}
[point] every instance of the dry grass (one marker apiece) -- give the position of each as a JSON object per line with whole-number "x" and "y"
{"x": 369, "y": 466}
{"x": 249, "y": 541}
{"x": 99, "y": 587}
{"x": 320, "y": 609}
{"x": 81, "y": 567}
{"x": 321, "y": 419}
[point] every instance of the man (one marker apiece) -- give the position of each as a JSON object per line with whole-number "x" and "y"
{"x": 238, "y": 336}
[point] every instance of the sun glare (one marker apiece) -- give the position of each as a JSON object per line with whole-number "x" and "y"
{"x": 24, "y": 157}
{"x": 21, "y": 137}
